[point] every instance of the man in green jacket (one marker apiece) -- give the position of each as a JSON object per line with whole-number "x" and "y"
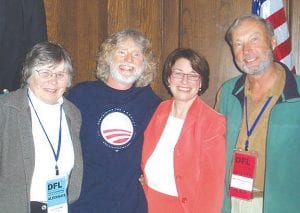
{"x": 262, "y": 108}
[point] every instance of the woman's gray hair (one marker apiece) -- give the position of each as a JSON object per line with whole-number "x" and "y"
{"x": 46, "y": 54}
{"x": 268, "y": 26}
{"x": 109, "y": 46}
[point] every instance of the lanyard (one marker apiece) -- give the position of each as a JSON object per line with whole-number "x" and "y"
{"x": 56, "y": 155}
{"x": 250, "y": 131}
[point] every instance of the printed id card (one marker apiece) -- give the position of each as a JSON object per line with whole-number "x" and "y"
{"x": 57, "y": 195}
{"x": 242, "y": 177}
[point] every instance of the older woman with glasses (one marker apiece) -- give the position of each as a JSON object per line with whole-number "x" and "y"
{"x": 40, "y": 153}
{"x": 183, "y": 157}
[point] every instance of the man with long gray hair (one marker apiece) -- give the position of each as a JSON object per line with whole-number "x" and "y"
{"x": 115, "y": 111}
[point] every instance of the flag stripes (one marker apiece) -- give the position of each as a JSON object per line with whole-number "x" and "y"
{"x": 273, "y": 11}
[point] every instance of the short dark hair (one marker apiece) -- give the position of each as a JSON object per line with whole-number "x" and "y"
{"x": 198, "y": 63}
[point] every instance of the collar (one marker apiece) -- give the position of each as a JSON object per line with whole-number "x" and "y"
{"x": 290, "y": 89}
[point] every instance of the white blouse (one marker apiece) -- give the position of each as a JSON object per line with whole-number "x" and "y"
{"x": 44, "y": 168}
{"x": 159, "y": 168}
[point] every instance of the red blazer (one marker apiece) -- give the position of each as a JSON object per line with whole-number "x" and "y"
{"x": 199, "y": 155}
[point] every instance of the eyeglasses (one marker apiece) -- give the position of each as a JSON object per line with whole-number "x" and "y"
{"x": 180, "y": 75}
{"x": 47, "y": 74}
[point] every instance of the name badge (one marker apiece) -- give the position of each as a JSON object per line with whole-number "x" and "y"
{"x": 242, "y": 177}
{"x": 57, "y": 195}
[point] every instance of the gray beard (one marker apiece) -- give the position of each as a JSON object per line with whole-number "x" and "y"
{"x": 122, "y": 79}
{"x": 261, "y": 68}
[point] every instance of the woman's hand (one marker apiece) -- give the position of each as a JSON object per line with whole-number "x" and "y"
{"x": 142, "y": 179}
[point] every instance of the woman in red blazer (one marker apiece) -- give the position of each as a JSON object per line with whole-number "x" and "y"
{"x": 183, "y": 158}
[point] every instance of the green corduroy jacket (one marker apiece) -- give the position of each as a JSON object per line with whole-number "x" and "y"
{"x": 282, "y": 174}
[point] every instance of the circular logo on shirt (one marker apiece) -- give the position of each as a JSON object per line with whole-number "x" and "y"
{"x": 116, "y": 127}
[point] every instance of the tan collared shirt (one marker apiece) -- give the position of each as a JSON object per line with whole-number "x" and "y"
{"x": 257, "y": 140}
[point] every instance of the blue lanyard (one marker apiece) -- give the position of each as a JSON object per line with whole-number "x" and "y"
{"x": 56, "y": 155}
{"x": 250, "y": 131}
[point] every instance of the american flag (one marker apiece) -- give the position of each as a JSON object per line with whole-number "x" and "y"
{"x": 273, "y": 11}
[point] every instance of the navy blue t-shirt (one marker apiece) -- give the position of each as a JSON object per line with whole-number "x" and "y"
{"x": 113, "y": 123}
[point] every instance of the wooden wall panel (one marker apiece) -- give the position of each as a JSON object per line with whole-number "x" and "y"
{"x": 204, "y": 24}
{"x": 170, "y": 34}
{"x": 52, "y": 11}
{"x": 81, "y": 26}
